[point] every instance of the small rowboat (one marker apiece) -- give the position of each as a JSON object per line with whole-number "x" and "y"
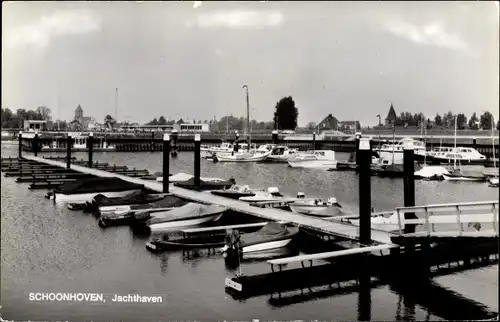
{"x": 191, "y": 242}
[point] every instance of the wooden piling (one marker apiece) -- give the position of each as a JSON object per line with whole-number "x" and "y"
{"x": 35, "y": 144}
{"x": 20, "y": 144}
{"x": 68, "y": 151}
{"x": 275, "y": 137}
{"x": 197, "y": 156}
{"x": 409, "y": 182}
{"x": 314, "y": 141}
{"x": 166, "y": 161}
{"x": 90, "y": 143}
{"x": 365, "y": 202}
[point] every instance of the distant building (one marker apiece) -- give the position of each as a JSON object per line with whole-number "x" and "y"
{"x": 349, "y": 125}
{"x": 391, "y": 118}
{"x": 85, "y": 122}
{"x": 329, "y": 123}
{"x": 34, "y": 125}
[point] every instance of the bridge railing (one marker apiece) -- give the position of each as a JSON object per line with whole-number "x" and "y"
{"x": 451, "y": 217}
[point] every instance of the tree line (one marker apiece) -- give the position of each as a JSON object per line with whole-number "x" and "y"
{"x": 484, "y": 121}
{"x": 15, "y": 120}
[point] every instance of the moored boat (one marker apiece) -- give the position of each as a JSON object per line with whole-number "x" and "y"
{"x": 166, "y": 202}
{"x": 316, "y": 206}
{"x": 100, "y": 200}
{"x": 243, "y": 156}
{"x": 235, "y": 192}
{"x": 463, "y": 175}
{"x": 271, "y": 236}
{"x": 321, "y": 159}
{"x": 191, "y": 242}
{"x": 181, "y": 177}
{"x": 205, "y": 185}
{"x": 191, "y": 214}
{"x": 272, "y": 194}
{"x": 85, "y": 189}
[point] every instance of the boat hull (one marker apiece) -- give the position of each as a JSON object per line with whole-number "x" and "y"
{"x": 236, "y": 158}
{"x": 317, "y": 211}
{"x": 186, "y": 243}
{"x": 462, "y": 178}
{"x": 84, "y": 197}
{"x": 232, "y": 195}
{"x": 317, "y": 164}
{"x": 169, "y": 225}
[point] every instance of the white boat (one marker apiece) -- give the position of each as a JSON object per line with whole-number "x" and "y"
{"x": 395, "y": 151}
{"x": 463, "y": 155}
{"x": 191, "y": 214}
{"x": 461, "y": 175}
{"x": 271, "y": 236}
{"x": 281, "y": 153}
{"x": 243, "y": 156}
{"x": 316, "y": 159}
{"x": 272, "y": 194}
{"x": 86, "y": 189}
{"x": 181, "y": 177}
{"x": 315, "y": 206}
{"x": 80, "y": 142}
{"x": 428, "y": 172}
{"x": 493, "y": 182}
{"x": 224, "y": 147}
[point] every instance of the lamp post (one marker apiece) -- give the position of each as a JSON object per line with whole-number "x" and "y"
{"x": 248, "y": 116}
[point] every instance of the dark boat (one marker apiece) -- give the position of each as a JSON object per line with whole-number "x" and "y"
{"x": 234, "y": 192}
{"x": 138, "y": 213}
{"x": 190, "y": 242}
{"x": 85, "y": 189}
{"x": 137, "y": 197}
{"x": 205, "y": 185}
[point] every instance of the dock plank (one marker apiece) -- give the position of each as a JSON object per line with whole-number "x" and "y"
{"x": 344, "y": 230}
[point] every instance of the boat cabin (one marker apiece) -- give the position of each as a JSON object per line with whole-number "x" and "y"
{"x": 274, "y": 191}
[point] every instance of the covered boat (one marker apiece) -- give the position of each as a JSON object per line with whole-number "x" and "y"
{"x": 205, "y": 185}
{"x": 191, "y": 242}
{"x": 85, "y": 189}
{"x": 181, "y": 177}
{"x": 464, "y": 175}
{"x": 316, "y": 206}
{"x": 272, "y": 194}
{"x": 190, "y": 214}
{"x": 137, "y": 197}
{"x": 235, "y": 192}
{"x": 167, "y": 201}
{"x": 271, "y": 236}
{"x": 493, "y": 182}
{"x": 431, "y": 172}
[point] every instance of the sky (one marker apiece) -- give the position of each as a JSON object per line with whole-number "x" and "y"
{"x": 190, "y": 59}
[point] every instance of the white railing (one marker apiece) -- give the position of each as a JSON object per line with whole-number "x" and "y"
{"x": 482, "y": 212}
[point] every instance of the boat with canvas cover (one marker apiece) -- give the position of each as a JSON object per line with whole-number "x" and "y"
{"x": 316, "y": 206}
{"x": 271, "y": 236}
{"x": 85, "y": 189}
{"x": 191, "y": 214}
{"x": 464, "y": 175}
{"x": 137, "y": 197}
{"x": 205, "y": 185}
{"x": 235, "y": 192}
{"x": 431, "y": 172}
{"x": 167, "y": 201}
{"x": 319, "y": 159}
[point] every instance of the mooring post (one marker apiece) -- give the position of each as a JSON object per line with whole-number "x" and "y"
{"x": 474, "y": 143}
{"x": 356, "y": 149}
{"x": 35, "y": 144}
{"x": 20, "y": 139}
{"x": 409, "y": 182}
{"x": 275, "y": 137}
{"x": 90, "y": 143}
{"x": 314, "y": 140}
{"x": 197, "y": 157}
{"x": 175, "y": 137}
{"x": 364, "y": 157}
{"x": 166, "y": 161}
{"x": 68, "y": 152}
{"x": 236, "y": 145}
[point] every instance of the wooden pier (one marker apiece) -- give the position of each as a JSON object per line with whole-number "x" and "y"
{"x": 343, "y": 230}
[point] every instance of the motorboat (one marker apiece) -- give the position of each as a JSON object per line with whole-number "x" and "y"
{"x": 85, "y": 189}
{"x": 235, "y": 192}
{"x": 242, "y": 156}
{"x": 460, "y": 154}
{"x": 493, "y": 182}
{"x": 191, "y": 214}
{"x": 395, "y": 151}
{"x": 181, "y": 177}
{"x": 224, "y": 147}
{"x": 205, "y": 185}
{"x": 271, "y": 236}
{"x": 120, "y": 214}
{"x": 324, "y": 159}
{"x": 464, "y": 175}
{"x": 315, "y": 206}
{"x": 281, "y": 153}
{"x": 167, "y": 201}
{"x": 272, "y": 194}
{"x": 101, "y": 200}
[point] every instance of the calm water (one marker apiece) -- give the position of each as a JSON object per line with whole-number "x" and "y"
{"x": 46, "y": 248}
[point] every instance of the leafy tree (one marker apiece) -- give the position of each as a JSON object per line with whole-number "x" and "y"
{"x": 286, "y": 114}
{"x": 109, "y": 121}
{"x": 486, "y": 120}
{"x": 448, "y": 119}
{"x": 7, "y": 118}
{"x": 473, "y": 120}
{"x": 205, "y": 122}
{"x": 311, "y": 125}
{"x": 44, "y": 113}
{"x": 153, "y": 122}
{"x": 438, "y": 120}
{"x": 180, "y": 121}
{"x": 461, "y": 121}
{"x": 162, "y": 121}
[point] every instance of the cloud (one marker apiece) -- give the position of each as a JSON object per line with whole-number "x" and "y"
{"x": 431, "y": 34}
{"x": 238, "y": 19}
{"x": 42, "y": 31}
